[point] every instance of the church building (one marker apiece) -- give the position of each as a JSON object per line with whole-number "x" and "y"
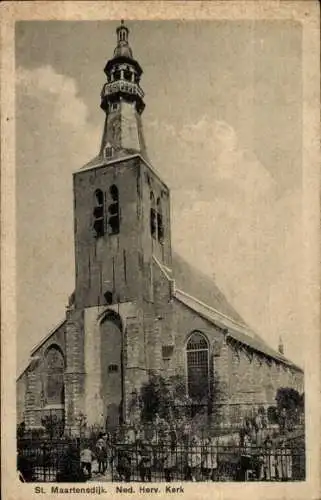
{"x": 138, "y": 308}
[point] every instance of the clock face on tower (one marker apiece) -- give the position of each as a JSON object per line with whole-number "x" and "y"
{"x": 115, "y": 130}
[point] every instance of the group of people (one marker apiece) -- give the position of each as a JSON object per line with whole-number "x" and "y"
{"x": 133, "y": 456}
{"x": 261, "y": 457}
{"x": 269, "y": 462}
{"x": 99, "y": 453}
{"x": 166, "y": 459}
{"x": 128, "y": 457}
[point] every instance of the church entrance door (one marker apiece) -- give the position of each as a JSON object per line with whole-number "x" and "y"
{"x": 111, "y": 371}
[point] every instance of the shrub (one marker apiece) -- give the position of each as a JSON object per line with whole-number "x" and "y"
{"x": 290, "y": 405}
{"x": 272, "y": 415}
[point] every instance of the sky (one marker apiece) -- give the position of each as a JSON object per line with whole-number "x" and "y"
{"x": 223, "y": 126}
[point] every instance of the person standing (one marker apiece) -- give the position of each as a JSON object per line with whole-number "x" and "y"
{"x": 194, "y": 458}
{"x": 246, "y": 458}
{"x": 269, "y": 469}
{"x": 145, "y": 461}
{"x": 123, "y": 460}
{"x": 210, "y": 459}
{"x": 101, "y": 454}
{"x": 283, "y": 459}
{"x": 169, "y": 459}
{"x": 86, "y": 459}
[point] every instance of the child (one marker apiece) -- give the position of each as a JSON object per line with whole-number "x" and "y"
{"x": 210, "y": 459}
{"x": 194, "y": 458}
{"x": 101, "y": 453}
{"x": 86, "y": 458}
{"x": 269, "y": 469}
{"x": 123, "y": 458}
{"x": 145, "y": 461}
{"x": 169, "y": 459}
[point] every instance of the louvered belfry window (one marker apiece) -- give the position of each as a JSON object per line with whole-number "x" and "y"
{"x": 99, "y": 225}
{"x": 153, "y": 216}
{"x": 197, "y": 353}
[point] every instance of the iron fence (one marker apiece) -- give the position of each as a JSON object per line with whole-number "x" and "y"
{"x": 59, "y": 460}
{"x": 207, "y": 462}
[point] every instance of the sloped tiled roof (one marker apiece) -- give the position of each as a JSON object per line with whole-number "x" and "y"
{"x": 197, "y": 284}
{"x": 37, "y": 346}
{"x": 196, "y": 291}
{"x": 47, "y": 337}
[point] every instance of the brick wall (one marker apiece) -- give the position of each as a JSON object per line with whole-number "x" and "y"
{"x": 242, "y": 377}
{"x": 108, "y": 263}
{"x": 255, "y": 378}
{"x": 34, "y": 377}
{"x": 32, "y": 402}
{"x": 74, "y": 374}
{"x": 135, "y": 347}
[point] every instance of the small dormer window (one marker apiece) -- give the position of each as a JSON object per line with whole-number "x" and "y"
{"x": 109, "y": 151}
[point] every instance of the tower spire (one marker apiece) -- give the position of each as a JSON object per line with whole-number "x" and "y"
{"x": 122, "y": 101}
{"x": 122, "y": 47}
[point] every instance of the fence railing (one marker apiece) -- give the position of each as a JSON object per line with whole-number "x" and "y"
{"x": 59, "y": 460}
{"x": 206, "y": 463}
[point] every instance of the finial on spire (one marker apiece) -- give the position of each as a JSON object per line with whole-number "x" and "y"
{"x": 122, "y": 33}
{"x": 123, "y": 48}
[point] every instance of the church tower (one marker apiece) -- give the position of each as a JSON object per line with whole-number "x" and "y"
{"x": 121, "y": 221}
{"x": 122, "y": 100}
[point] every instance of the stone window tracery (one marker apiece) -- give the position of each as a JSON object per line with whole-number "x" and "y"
{"x": 197, "y": 360}
{"x": 54, "y": 376}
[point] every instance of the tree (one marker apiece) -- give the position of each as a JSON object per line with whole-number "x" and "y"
{"x": 54, "y": 426}
{"x": 156, "y": 398}
{"x": 290, "y": 404}
{"x": 272, "y": 415}
{"x": 288, "y": 398}
{"x": 21, "y": 429}
{"x": 168, "y": 399}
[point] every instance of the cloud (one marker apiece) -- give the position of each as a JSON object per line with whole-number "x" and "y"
{"x": 54, "y": 138}
{"x": 48, "y": 84}
{"x": 224, "y": 201}
{"x": 244, "y": 232}
{"x": 211, "y": 150}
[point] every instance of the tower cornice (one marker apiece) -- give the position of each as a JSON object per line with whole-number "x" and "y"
{"x": 99, "y": 162}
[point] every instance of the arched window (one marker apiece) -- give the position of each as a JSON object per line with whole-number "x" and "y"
{"x": 197, "y": 354}
{"x": 128, "y": 75}
{"x": 113, "y": 211}
{"x": 109, "y": 151}
{"x": 99, "y": 213}
{"x": 160, "y": 224}
{"x": 108, "y": 297}
{"x": 152, "y": 215}
{"x": 54, "y": 376}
